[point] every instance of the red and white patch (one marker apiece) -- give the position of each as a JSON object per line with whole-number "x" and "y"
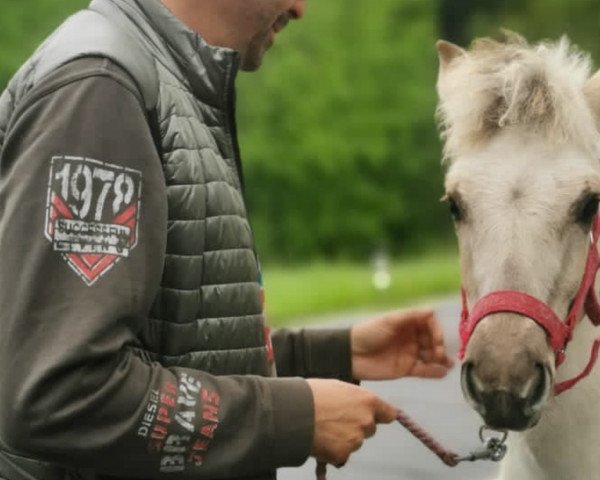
{"x": 92, "y": 213}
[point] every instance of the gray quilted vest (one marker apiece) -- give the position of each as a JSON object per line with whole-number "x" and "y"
{"x": 207, "y": 313}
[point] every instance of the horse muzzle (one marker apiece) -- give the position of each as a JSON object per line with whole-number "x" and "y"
{"x": 512, "y": 405}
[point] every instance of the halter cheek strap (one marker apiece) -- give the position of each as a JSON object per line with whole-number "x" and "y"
{"x": 559, "y": 332}
{"x": 592, "y": 307}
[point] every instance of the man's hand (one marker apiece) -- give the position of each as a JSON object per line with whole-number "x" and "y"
{"x": 399, "y": 344}
{"x": 345, "y": 415}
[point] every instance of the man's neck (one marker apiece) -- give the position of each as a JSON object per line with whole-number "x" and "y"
{"x": 207, "y": 19}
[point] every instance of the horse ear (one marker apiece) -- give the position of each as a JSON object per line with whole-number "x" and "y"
{"x": 447, "y": 52}
{"x": 591, "y": 89}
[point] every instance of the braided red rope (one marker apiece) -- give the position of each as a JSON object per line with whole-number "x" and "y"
{"x": 321, "y": 471}
{"x": 448, "y": 457}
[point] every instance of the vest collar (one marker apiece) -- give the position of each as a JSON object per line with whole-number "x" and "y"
{"x": 209, "y": 70}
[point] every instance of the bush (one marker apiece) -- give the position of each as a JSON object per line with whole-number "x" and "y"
{"x": 341, "y": 149}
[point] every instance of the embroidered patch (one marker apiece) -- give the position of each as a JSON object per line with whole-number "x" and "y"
{"x": 92, "y": 213}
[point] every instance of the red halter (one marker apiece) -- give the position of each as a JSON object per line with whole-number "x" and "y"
{"x": 559, "y": 333}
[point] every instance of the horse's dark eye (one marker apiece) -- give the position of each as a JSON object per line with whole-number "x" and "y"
{"x": 589, "y": 209}
{"x": 454, "y": 209}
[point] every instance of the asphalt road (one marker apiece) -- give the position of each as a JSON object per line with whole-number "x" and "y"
{"x": 437, "y": 405}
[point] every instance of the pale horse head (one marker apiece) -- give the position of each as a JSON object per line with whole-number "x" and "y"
{"x": 522, "y": 150}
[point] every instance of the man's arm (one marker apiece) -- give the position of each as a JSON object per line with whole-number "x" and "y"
{"x": 319, "y": 353}
{"x": 82, "y": 239}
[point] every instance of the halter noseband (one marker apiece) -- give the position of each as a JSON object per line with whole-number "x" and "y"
{"x": 559, "y": 332}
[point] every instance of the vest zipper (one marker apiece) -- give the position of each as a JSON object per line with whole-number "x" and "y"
{"x": 231, "y": 122}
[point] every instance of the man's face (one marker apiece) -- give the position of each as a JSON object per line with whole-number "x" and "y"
{"x": 260, "y": 23}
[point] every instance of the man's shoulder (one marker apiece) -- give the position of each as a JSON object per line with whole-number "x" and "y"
{"x": 84, "y": 69}
{"x": 90, "y": 35}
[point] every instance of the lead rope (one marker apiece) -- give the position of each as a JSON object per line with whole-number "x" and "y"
{"x": 494, "y": 446}
{"x": 321, "y": 471}
{"x": 448, "y": 457}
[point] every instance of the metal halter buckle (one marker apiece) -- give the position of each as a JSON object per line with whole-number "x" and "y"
{"x": 494, "y": 447}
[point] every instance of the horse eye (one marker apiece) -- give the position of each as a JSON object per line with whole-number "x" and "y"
{"x": 589, "y": 209}
{"x": 454, "y": 209}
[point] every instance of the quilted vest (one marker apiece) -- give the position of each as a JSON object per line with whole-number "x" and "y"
{"x": 207, "y": 313}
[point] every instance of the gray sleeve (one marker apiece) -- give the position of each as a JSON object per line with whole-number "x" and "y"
{"x": 321, "y": 353}
{"x": 82, "y": 236}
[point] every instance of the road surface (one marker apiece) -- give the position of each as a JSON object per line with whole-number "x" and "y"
{"x": 437, "y": 405}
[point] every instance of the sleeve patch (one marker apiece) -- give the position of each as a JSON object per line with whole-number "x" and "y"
{"x": 92, "y": 213}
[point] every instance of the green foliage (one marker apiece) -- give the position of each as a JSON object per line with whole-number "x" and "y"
{"x": 338, "y": 131}
{"x": 24, "y": 24}
{"x": 546, "y": 19}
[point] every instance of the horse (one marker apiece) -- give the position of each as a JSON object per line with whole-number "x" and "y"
{"x": 521, "y": 150}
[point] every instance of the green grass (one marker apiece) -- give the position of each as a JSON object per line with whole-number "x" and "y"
{"x": 297, "y": 293}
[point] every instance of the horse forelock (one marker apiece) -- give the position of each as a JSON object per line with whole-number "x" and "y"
{"x": 502, "y": 85}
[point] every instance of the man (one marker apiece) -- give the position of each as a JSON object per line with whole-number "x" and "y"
{"x": 132, "y": 337}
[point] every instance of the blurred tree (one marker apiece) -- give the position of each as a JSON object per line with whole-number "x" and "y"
{"x": 546, "y": 19}
{"x": 23, "y": 24}
{"x": 342, "y": 153}
{"x": 455, "y": 17}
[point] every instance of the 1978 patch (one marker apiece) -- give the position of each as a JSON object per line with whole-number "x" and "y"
{"x": 92, "y": 213}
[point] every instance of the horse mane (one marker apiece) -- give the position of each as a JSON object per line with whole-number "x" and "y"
{"x": 500, "y": 85}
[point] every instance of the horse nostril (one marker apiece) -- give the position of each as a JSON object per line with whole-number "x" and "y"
{"x": 540, "y": 390}
{"x": 468, "y": 386}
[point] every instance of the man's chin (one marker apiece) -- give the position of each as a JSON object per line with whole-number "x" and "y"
{"x": 252, "y": 62}
{"x": 250, "y": 67}
{"x": 253, "y": 58}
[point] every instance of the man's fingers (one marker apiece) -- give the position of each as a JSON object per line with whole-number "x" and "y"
{"x": 416, "y": 314}
{"x": 435, "y": 330}
{"x": 441, "y": 356}
{"x": 429, "y": 370}
{"x": 434, "y": 342}
{"x": 384, "y": 412}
